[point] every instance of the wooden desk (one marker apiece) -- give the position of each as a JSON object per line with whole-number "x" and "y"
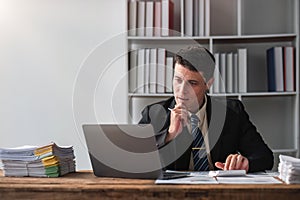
{"x": 84, "y": 185}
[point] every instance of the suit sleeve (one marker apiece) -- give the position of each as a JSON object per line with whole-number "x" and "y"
{"x": 158, "y": 117}
{"x": 252, "y": 145}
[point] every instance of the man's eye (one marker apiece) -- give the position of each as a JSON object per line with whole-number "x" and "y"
{"x": 178, "y": 80}
{"x": 193, "y": 83}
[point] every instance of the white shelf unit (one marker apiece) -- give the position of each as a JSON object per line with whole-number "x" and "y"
{"x": 256, "y": 25}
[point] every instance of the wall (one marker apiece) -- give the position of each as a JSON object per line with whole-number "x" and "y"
{"x": 54, "y": 57}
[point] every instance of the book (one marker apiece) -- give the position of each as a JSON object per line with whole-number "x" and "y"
{"x": 153, "y": 70}
{"x": 161, "y": 70}
{"x": 216, "y": 74}
{"x": 133, "y": 71}
{"x": 167, "y": 16}
{"x": 169, "y": 74}
{"x": 188, "y": 17}
{"x": 271, "y": 71}
{"x": 229, "y": 73}
{"x": 157, "y": 18}
{"x": 275, "y": 69}
{"x": 149, "y": 18}
{"x": 222, "y": 65}
{"x": 289, "y": 69}
{"x": 195, "y": 17}
{"x": 140, "y": 71}
{"x": 207, "y": 17}
{"x": 132, "y": 17}
{"x": 201, "y": 17}
{"x": 141, "y": 18}
{"x": 242, "y": 69}
{"x": 235, "y": 73}
{"x": 147, "y": 71}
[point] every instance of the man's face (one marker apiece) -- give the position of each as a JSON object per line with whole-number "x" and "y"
{"x": 189, "y": 88}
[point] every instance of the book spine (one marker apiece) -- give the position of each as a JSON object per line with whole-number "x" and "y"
{"x": 161, "y": 66}
{"x": 132, "y": 17}
{"x": 149, "y": 18}
{"x": 169, "y": 75}
{"x": 141, "y": 18}
{"x": 157, "y": 18}
{"x": 153, "y": 70}
{"x": 242, "y": 65}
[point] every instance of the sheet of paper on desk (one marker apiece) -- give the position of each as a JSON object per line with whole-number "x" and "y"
{"x": 227, "y": 173}
{"x": 248, "y": 179}
{"x": 189, "y": 180}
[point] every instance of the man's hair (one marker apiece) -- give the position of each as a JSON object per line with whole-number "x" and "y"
{"x": 196, "y": 58}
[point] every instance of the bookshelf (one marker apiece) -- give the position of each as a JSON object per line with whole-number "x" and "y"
{"x": 230, "y": 25}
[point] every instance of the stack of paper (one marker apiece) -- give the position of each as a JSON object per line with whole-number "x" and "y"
{"x": 289, "y": 169}
{"x": 39, "y": 161}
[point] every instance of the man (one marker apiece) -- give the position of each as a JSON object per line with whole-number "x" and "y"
{"x": 229, "y": 141}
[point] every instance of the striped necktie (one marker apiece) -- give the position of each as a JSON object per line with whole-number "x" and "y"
{"x": 199, "y": 151}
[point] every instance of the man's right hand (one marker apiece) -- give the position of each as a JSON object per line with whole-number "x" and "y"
{"x": 178, "y": 119}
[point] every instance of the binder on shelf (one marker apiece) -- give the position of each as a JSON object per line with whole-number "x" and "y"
{"x": 216, "y": 83}
{"x": 242, "y": 68}
{"x": 196, "y": 17}
{"x": 132, "y": 17}
{"x": 275, "y": 69}
{"x": 161, "y": 66}
{"x": 141, "y": 18}
{"x": 235, "y": 73}
{"x": 289, "y": 69}
{"x": 188, "y": 17}
{"x": 222, "y": 62}
{"x": 167, "y": 17}
{"x": 153, "y": 70}
{"x": 141, "y": 71}
{"x": 229, "y": 73}
{"x": 147, "y": 71}
{"x": 149, "y": 18}
{"x": 133, "y": 71}
{"x": 201, "y": 17}
{"x": 157, "y": 18}
{"x": 207, "y": 17}
{"x": 169, "y": 74}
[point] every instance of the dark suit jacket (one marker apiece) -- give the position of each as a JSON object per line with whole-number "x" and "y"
{"x": 229, "y": 130}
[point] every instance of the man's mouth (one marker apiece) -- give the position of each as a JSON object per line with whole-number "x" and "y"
{"x": 182, "y": 98}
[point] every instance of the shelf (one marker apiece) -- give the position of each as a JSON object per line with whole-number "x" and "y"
{"x": 225, "y": 37}
{"x": 149, "y": 95}
{"x": 284, "y": 150}
{"x": 251, "y": 94}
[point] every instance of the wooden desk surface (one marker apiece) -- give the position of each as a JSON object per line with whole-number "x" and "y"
{"x": 84, "y": 185}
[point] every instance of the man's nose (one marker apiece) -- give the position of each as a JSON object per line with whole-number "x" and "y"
{"x": 183, "y": 88}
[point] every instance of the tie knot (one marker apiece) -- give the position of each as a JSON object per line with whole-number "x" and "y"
{"x": 194, "y": 120}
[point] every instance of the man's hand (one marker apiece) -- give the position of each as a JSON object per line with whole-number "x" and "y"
{"x": 234, "y": 162}
{"x": 178, "y": 120}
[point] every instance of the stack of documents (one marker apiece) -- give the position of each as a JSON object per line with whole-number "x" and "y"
{"x": 40, "y": 161}
{"x": 289, "y": 169}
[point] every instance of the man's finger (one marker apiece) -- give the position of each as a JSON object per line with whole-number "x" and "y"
{"x": 220, "y": 165}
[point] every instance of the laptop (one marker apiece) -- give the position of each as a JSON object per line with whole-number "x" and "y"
{"x": 125, "y": 151}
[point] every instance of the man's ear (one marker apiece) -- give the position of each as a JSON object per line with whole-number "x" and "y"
{"x": 210, "y": 82}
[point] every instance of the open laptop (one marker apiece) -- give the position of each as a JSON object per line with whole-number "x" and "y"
{"x": 124, "y": 151}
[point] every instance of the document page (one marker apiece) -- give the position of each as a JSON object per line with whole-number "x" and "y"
{"x": 189, "y": 180}
{"x": 248, "y": 180}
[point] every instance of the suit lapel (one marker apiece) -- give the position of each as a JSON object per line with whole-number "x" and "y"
{"x": 216, "y": 112}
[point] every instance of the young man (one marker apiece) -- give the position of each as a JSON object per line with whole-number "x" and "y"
{"x": 197, "y": 132}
